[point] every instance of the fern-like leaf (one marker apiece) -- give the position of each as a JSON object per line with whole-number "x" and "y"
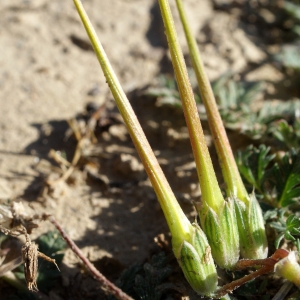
{"x": 126, "y": 281}
{"x": 146, "y": 282}
{"x": 289, "y": 56}
{"x": 292, "y": 8}
{"x": 148, "y": 286}
{"x": 252, "y": 164}
{"x": 286, "y": 228}
{"x": 231, "y": 94}
{"x": 277, "y": 183}
{"x": 285, "y": 178}
{"x": 287, "y": 134}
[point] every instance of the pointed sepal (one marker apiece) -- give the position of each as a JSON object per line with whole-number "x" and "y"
{"x": 197, "y": 263}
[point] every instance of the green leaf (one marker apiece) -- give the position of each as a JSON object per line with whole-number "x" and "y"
{"x": 127, "y": 280}
{"x": 146, "y": 282}
{"x": 252, "y": 164}
{"x": 231, "y": 94}
{"x": 51, "y": 244}
{"x": 278, "y": 226}
{"x": 277, "y": 183}
{"x": 271, "y": 112}
{"x": 292, "y": 8}
{"x": 284, "y": 177}
{"x": 270, "y": 214}
{"x": 293, "y": 225}
{"x": 149, "y": 286}
{"x": 289, "y": 135}
{"x": 297, "y": 243}
{"x": 263, "y": 122}
{"x": 289, "y": 56}
{"x": 288, "y": 228}
{"x": 166, "y": 90}
{"x": 296, "y": 29}
{"x": 278, "y": 240}
{"x": 235, "y": 101}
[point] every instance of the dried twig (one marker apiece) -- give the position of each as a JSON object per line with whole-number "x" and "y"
{"x": 106, "y": 284}
{"x": 30, "y": 256}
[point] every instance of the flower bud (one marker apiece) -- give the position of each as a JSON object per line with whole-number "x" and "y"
{"x": 253, "y": 240}
{"x": 289, "y": 268}
{"x": 222, "y": 232}
{"x": 197, "y": 263}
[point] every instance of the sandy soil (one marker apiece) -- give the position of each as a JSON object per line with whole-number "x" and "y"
{"x": 48, "y": 74}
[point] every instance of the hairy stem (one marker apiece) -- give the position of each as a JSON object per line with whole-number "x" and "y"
{"x": 230, "y": 171}
{"x": 211, "y": 193}
{"x": 178, "y": 223}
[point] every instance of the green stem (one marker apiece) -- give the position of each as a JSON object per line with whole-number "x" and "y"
{"x": 230, "y": 171}
{"x": 211, "y": 193}
{"x": 179, "y": 225}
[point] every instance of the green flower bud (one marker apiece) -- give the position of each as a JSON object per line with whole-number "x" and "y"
{"x": 253, "y": 240}
{"x": 222, "y": 232}
{"x": 197, "y": 263}
{"x": 289, "y": 268}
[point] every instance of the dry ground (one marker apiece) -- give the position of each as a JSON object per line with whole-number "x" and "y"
{"x": 48, "y": 74}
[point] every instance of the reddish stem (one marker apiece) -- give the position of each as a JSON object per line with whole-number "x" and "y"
{"x": 267, "y": 266}
{"x": 228, "y": 288}
{"x": 106, "y": 284}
